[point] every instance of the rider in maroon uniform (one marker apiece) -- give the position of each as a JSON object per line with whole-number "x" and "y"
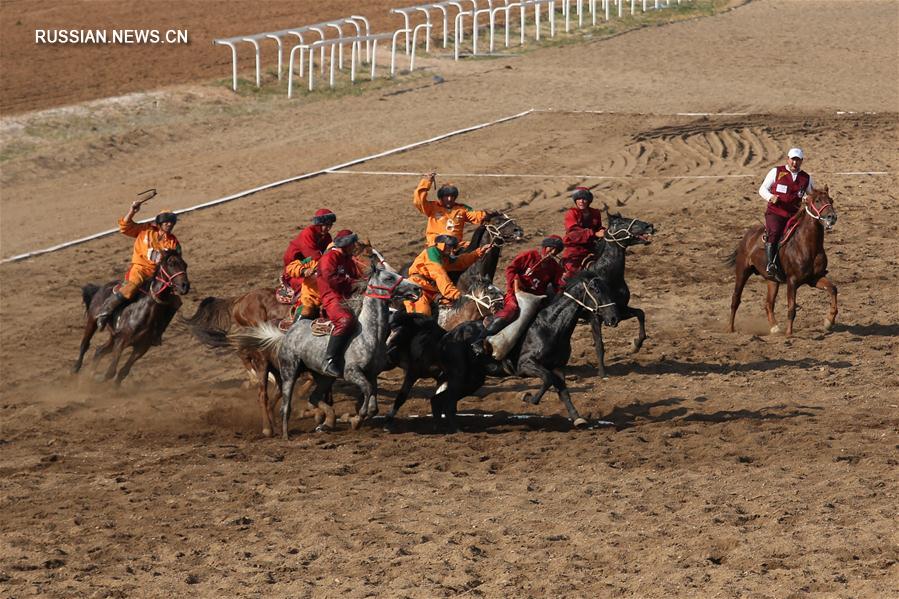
{"x": 532, "y": 271}
{"x": 307, "y": 248}
{"x": 583, "y": 225}
{"x": 783, "y": 189}
{"x": 337, "y": 271}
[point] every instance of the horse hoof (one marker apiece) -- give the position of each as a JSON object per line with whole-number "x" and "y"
{"x": 528, "y": 399}
{"x": 828, "y": 325}
{"x": 355, "y": 422}
{"x": 635, "y": 346}
{"x": 580, "y": 422}
{"x": 322, "y": 428}
{"x": 775, "y": 329}
{"x": 267, "y": 432}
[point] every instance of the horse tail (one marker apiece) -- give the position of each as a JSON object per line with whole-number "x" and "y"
{"x": 211, "y": 322}
{"x": 731, "y": 259}
{"x": 265, "y": 338}
{"x": 87, "y": 294}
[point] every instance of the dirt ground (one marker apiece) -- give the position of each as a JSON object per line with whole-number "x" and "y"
{"x": 736, "y": 465}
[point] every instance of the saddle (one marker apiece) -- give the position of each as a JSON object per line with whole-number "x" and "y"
{"x": 284, "y": 293}
{"x": 322, "y": 327}
{"x": 789, "y": 228}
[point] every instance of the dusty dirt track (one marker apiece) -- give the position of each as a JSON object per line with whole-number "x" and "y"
{"x": 744, "y": 465}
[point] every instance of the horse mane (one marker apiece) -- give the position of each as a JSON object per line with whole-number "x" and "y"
{"x": 476, "y": 238}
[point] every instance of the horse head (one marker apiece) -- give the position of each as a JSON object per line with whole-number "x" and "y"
{"x": 819, "y": 205}
{"x": 171, "y": 274}
{"x": 594, "y": 296}
{"x": 627, "y": 231}
{"x": 387, "y": 285}
{"x": 499, "y": 229}
{"x": 487, "y": 296}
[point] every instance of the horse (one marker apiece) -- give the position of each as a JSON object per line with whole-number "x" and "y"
{"x": 801, "y": 256}
{"x": 414, "y": 338}
{"x": 140, "y": 323}
{"x": 542, "y": 351}
{"x": 216, "y": 317}
{"x": 610, "y": 252}
{"x": 299, "y": 350}
{"x": 496, "y": 230}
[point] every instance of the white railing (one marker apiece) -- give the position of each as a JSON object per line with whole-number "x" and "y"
{"x": 355, "y": 42}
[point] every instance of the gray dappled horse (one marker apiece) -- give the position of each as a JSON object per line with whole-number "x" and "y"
{"x": 365, "y": 357}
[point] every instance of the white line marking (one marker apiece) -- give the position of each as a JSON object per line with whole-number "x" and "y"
{"x": 248, "y": 192}
{"x": 577, "y": 175}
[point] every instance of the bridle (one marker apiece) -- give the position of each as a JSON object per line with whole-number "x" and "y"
{"x": 383, "y": 292}
{"x": 596, "y": 305}
{"x": 627, "y": 234}
{"x": 496, "y": 231}
{"x": 484, "y": 302}
{"x": 810, "y": 207}
{"x": 167, "y": 281}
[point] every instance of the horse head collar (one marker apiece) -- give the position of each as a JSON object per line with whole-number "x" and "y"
{"x": 593, "y": 296}
{"x": 819, "y": 205}
{"x": 385, "y": 284}
{"x": 628, "y": 231}
{"x": 500, "y": 229}
{"x": 486, "y": 296}
{"x": 171, "y": 274}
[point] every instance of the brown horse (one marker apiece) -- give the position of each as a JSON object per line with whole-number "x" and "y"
{"x": 801, "y": 256}
{"x": 139, "y": 324}
{"x": 216, "y": 317}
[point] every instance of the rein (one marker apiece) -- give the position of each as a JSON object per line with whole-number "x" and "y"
{"x": 496, "y": 231}
{"x": 166, "y": 279}
{"x": 596, "y": 304}
{"x": 484, "y": 302}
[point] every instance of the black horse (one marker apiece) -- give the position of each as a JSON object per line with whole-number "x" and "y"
{"x": 139, "y": 324}
{"x": 541, "y": 352}
{"x": 621, "y": 233}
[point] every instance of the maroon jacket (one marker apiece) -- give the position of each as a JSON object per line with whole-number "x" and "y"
{"x": 790, "y": 195}
{"x": 308, "y": 244}
{"x": 337, "y": 271}
{"x": 580, "y": 229}
{"x": 534, "y": 272}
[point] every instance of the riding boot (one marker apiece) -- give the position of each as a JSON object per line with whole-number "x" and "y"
{"x": 109, "y": 307}
{"x": 773, "y": 268}
{"x": 334, "y": 355}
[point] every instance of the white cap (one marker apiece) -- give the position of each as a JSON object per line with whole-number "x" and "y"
{"x": 795, "y": 153}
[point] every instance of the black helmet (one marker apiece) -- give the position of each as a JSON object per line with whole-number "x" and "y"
{"x": 448, "y": 191}
{"x": 166, "y": 216}
{"x": 553, "y": 241}
{"x": 582, "y": 193}
{"x": 345, "y": 238}
{"x": 449, "y": 242}
{"x": 323, "y": 216}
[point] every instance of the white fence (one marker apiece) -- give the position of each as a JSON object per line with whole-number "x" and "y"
{"x": 459, "y": 18}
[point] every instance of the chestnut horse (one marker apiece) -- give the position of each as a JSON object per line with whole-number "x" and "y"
{"x": 140, "y": 323}
{"x": 802, "y": 259}
{"x": 216, "y": 317}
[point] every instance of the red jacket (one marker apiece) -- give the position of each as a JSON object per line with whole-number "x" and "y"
{"x": 580, "y": 229}
{"x": 308, "y": 244}
{"x": 337, "y": 271}
{"x": 534, "y": 272}
{"x": 788, "y": 191}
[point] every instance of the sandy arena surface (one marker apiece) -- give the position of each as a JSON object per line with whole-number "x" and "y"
{"x": 737, "y": 465}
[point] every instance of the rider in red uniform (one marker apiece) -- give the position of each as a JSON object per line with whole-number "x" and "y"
{"x": 306, "y": 249}
{"x": 783, "y": 189}
{"x": 583, "y": 225}
{"x": 337, "y": 272}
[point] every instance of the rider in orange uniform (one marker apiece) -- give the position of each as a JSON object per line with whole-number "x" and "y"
{"x": 151, "y": 240}
{"x": 783, "y": 189}
{"x": 306, "y": 249}
{"x": 583, "y": 225}
{"x": 430, "y": 268}
{"x": 337, "y": 271}
{"x": 445, "y": 217}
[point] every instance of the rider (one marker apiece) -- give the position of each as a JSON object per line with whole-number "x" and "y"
{"x": 151, "y": 240}
{"x": 337, "y": 271}
{"x": 307, "y": 248}
{"x": 583, "y": 225}
{"x": 532, "y": 271}
{"x": 783, "y": 189}
{"x": 430, "y": 269}
{"x": 445, "y": 217}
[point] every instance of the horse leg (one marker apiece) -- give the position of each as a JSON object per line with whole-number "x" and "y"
{"x": 739, "y": 283}
{"x": 773, "y": 287}
{"x": 791, "y": 306}
{"x": 830, "y": 288}
{"x": 90, "y": 327}
{"x": 562, "y": 389}
{"x": 369, "y": 392}
{"x": 260, "y": 366}
{"x": 637, "y": 313}
{"x": 599, "y": 347}
{"x": 529, "y": 368}
{"x": 288, "y": 378}
{"x": 555, "y": 379}
{"x": 136, "y": 354}
{"x": 321, "y": 400}
{"x": 117, "y": 349}
{"x": 402, "y": 395}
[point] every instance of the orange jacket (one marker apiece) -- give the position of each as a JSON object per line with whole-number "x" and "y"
{"x": 430, "y": 269}
{"x": 149, "y": 243}
{"x": 442, "y": 221}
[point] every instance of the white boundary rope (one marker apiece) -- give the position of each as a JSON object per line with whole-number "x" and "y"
{"x": 242, "y": 194}
{"x": 581, "y": 176}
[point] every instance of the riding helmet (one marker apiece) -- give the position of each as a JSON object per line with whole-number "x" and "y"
{"x": 582, "y": 193}
{"x": 166, "y": 216}
{"x": 553, "y": 241}
{"x": 345, "y": 238}
{"x": 323, "y": 216}
{"x": 449, "y": 242}
{"x": 448, "y": 191}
